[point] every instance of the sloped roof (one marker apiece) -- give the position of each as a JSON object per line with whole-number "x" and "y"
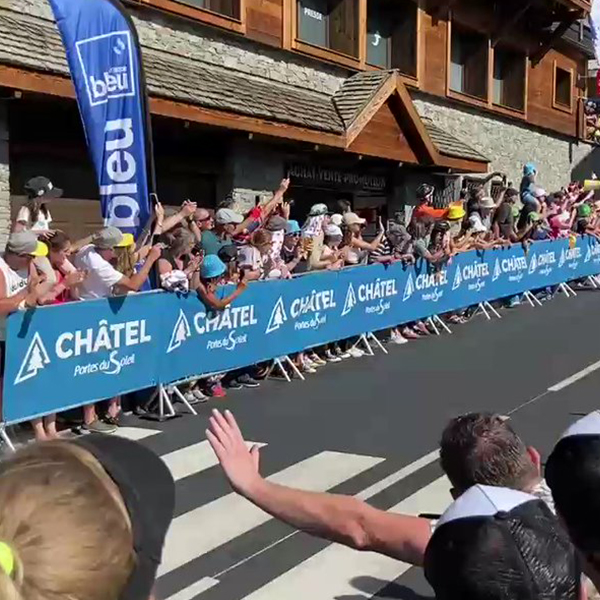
{"x": 356, "y": 92}
{"x": 34, "y": 43}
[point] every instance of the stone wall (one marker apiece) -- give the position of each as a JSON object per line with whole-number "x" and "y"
{"x": 510, "y": 145}
{"x": 198, "y": 42}
{"x": 4, "y": 176}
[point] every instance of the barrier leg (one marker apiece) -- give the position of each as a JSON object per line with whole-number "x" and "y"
{"x": 295, "y": 369}
{"x": 433, "y": 325}
{"x": 593, "y": 282}
{"x": 164, "y": 401}
{"x": 567, "y": 290}
{"x": 492, "y": 309}
{"x": 278, "y": 363}
{"x": 363, "y": 340}
{"x": 532, "y": 299}
{"x": 181, "y": 397}
{"x": 5, "y": 438}
{"x": 373, "y": 337}
{"x": 441, "y": 323}
{"x": 481, "y": 307}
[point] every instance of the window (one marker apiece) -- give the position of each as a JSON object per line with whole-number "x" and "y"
{"x": 392, "y": 35}
{"x": 228, "y": 8}
{"x": 468, "y": 63}
{"x": 329, "y": 24}
{"x": 563, "y": 83}
{"x": 509, "y": 79}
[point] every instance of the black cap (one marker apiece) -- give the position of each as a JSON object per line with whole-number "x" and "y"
{"x": 495, "y": 543}
{"x": 573, "y": 475}
{"x": 148, "y": 490}
{"x": 42, "y": 188}
{"x": 228, "y": 253}
{"x": 424, "y": 191}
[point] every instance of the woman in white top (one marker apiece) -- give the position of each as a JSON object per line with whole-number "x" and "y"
{"x": 356, "y": 247}
{"x": 34, "y": 216}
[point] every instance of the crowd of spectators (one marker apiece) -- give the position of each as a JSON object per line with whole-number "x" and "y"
{"x": 196, "y": 250}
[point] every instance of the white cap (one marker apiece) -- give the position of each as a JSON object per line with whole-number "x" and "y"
{"x": 483, "y": 501}
{"x": 333, "y": 231}
{"x": 337, "y": 219}
{"x": 588, "y": 425}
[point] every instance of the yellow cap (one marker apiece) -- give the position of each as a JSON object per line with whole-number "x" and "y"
{"x": 40, "y": 250}
{"x": 7, "y": 559}
{"x": 455, "y": 213}
{"x": 128, "y": 240}
{"x": 591, "y": 184}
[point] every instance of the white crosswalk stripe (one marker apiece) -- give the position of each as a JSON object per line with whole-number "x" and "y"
{"x": 326, "y": 575}
{"x": 205, "y": 528}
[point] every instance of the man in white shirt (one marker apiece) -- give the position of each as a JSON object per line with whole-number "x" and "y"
{"x": 104, "y": 281}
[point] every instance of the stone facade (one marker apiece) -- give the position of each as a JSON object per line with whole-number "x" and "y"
{"x": 510, "y": 145}
{"x": 4, "y": 176}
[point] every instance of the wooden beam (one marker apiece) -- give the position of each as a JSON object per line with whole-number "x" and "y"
{"x": 510, "y": 22}
{"x": 370, "y": 110}
{"x": 43, "y": 83}
{"x": 462, "y": 164}
{"x": 553, "y": 38}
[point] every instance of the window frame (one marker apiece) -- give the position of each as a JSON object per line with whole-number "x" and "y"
{"x": 410, "y": 79}
{"x": 327, "y": 54}
{"x": 465, "y": 96}
{"x": 502, "y": 107}
{"x": 559, "y": 105}
{"x": 203, "y": 15}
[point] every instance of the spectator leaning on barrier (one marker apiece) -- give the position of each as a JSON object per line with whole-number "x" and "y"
{"x": 83, "y": 519}
{"x": 476, "y": 453}
{"x": 292, "y": 253}
{"x": 356, "y": 248}
{"x": 177, "y": 265}
{"x": 104, "y": 281}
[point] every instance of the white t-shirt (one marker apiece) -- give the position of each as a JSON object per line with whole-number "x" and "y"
{"x": 102, "y": 276}
{"x": 16, "y": 281}
{"x": 42, "y": 223}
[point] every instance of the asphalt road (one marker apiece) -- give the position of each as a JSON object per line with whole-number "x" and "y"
{"x": 368, "y": 426}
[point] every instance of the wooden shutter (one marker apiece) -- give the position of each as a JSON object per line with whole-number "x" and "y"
{"x": 343, "y": 26}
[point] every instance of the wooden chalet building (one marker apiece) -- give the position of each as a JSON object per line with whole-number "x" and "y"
{"x": 356, "y": 99}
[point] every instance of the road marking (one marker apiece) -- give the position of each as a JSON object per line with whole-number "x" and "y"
{"x": 574, "y": 378}
{"x": 207, "y": 527}
{"x": 193, "y": 459}
{"x": 390, "y": 480}
{"x": 329, "y": 574}
{"x": 190, "y": 592}
{"x": 135, "y": 433}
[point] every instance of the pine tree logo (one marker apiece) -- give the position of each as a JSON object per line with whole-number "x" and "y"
{"x": 409, "y": 288}
{"x": 457, "y": 279}
{"x": 278, "y": 316}
{"x": 350, "y": 301}
{"x": 35, "y": 360}
{"x": 181, "y": 332}
{"x": 563, "y": 258}
{"x": 497, "y": 270}
{"x": 533, "y": 264}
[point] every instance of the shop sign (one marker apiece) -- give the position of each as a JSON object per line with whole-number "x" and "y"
{"x": 315, "y": 175}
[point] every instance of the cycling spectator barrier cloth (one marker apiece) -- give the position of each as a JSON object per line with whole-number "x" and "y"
{"x": 64, "y": 356}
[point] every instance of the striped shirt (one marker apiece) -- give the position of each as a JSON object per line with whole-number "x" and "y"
{"x": 384, "y": 249}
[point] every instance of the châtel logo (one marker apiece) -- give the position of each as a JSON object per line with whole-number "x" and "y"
{"x": 350, "y": 301}
{"x": 181, "y": 332}
{"x": 457, "y": 279}
{"x": 497, "y": 270}
{"x": 409, "y": 289}
{"x": 278, "y": 316}
{"x": 533, "y": 265}
{"x": 563, "y": 258}
{"x": 35, "y": 360}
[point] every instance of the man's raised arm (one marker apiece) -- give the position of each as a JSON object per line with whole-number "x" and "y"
{"x": 337, "y": 518}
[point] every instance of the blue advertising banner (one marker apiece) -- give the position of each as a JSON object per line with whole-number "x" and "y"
{"x": 106, "y": 67}
{"x": 69, "y": 355}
